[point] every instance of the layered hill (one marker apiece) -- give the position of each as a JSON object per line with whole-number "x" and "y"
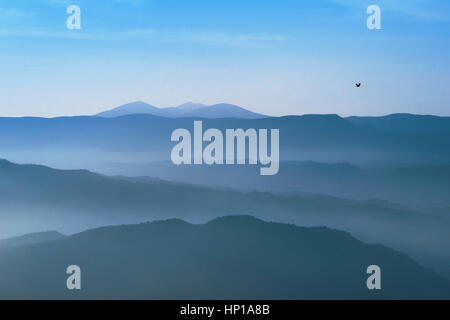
{"x": 236, "y": 257}
{"x": 416, "y": 185}
{"x": 37, "y": 198}
{"x": 82, "y": 142}
{"x": 31, "y": 238}
{"x": 186, "y": 110}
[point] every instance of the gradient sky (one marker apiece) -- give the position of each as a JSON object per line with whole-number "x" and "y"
{"x": 274, "y": 57}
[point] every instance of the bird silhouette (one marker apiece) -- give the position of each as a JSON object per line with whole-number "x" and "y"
{"x": 358, "y": 85}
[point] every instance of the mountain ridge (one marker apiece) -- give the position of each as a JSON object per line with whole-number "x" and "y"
{"x": 146, "y": 138}
{"x": 238, "y": 257}
{"x": 185, "y": 110}
{"x": 31, "y": 238}
{"x": 75, "y": 200}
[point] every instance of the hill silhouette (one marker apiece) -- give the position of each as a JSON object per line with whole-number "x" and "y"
{"x": 223, "y": 110}
{"x": 85, "y": 142}
{"x": 237, "y": 257}
{"x": 416, "y": 185}
{"x": 414, "y": 125}
{"x": 31, "y": 238}
{"x": 185, "y": 110}
{"x": 137, "y": 107}
{"x": 35, "y": 198}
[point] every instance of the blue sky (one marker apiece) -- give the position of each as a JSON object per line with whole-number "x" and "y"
{"x": 275, "y": 57}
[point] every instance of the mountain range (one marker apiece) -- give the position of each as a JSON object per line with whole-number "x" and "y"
{"x": 383, "y": 179}
{"x": 32, "y": 238}
{"x": 88, "y": 142}
{"x": 235, "y": 257}
{"x": 417, "y": 185}
{"x": 36, "y": 198}
{"x": 186, "y": 110}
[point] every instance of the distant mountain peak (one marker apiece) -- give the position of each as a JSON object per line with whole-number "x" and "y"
{"x": 137, "y": 107}
{"x": 186, "y": 110}
{"x": 190, "y": 106}
{"x": 224, "y": 110}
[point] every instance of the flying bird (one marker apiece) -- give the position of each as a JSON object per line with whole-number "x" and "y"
{"x": 358, "y": 85}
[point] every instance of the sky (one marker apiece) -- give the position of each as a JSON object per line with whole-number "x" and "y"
{"x": 279, "y": 57}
